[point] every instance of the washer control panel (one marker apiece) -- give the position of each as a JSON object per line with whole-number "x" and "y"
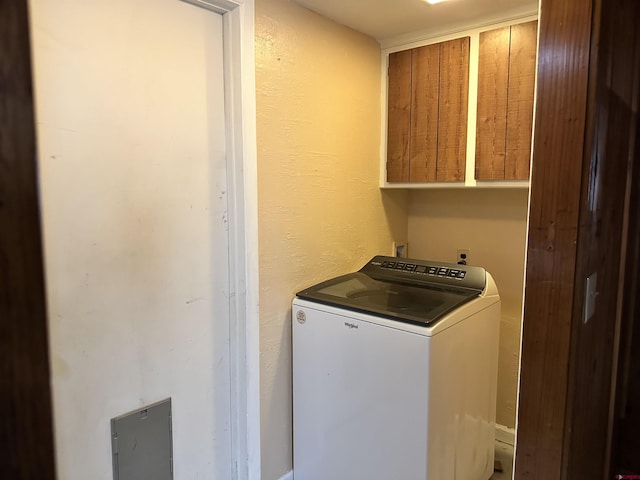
{"x": 425, "y": 271}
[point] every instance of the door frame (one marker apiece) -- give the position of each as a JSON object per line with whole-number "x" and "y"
{"x": 242, "y": 186}
{"x": 577, "y": 41}
{"x": 560, "y": 123}
{"x": 26, "y": 430}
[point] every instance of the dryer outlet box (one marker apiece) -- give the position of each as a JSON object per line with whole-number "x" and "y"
{"x": 399, "y": 249}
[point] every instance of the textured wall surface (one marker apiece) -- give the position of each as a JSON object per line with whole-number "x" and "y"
{"x": 321, "y": 211}
{"x": 492, "y": 224}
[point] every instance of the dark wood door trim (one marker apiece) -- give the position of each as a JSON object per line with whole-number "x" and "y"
{"x": 26, "y": 435}
{"x": 558, "y": 152}
{"x": 624, "y": 423}
{"x": 584, "y": 140}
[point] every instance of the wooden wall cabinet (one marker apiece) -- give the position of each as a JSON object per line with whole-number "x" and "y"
{"x": 428, "y": 90}
{"x": 446, "y": 128}
{"x": 506, "y": 81}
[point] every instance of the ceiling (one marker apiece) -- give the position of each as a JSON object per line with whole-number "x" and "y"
{"x": 386, "y": 19}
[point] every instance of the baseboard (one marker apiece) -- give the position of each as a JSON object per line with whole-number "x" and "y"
{"x": 505, "y": 435}
{"x": 287, "y": 476}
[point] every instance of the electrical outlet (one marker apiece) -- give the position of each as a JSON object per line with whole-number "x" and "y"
{"x": 463, "y": 256}
{"x": 399, "y": 249}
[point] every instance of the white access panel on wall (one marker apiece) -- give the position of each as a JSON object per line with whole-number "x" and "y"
{"x": 141, "y": 443}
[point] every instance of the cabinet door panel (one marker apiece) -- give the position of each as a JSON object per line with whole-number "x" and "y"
{"x": 425, "y": 79}
{"x": 493, "y": 84}
{"x": 399, "y": 116}
{"x": 452, "y": 122}
{"x": 522, "y": 68}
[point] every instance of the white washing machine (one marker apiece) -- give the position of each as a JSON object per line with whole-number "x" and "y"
{"x": 395, "y": 373}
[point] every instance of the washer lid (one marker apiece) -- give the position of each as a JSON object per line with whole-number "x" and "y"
{"x": 411, "y": 303}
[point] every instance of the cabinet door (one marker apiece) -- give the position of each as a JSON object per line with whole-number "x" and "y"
{"x": 452, "y": 117}
{"x": 522, "y": 74}
{"x": 425, "y": 80}
{"x": 506, "y": 77}
{"x": 399, "y": 116}
{"x": 427, "y": 113}
{"x": 493, "y": 85}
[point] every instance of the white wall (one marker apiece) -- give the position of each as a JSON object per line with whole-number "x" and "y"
{"x": 131, "y": 154}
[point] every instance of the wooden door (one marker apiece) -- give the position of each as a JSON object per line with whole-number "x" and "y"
{"x": 452, "y": 114}
{"x": 428, "y": 91}
{"x": 506, "y": 78}
{"x": 399, "y": 116}
{"x": 522, "y": 66}
{"x": 425, "y": 101}
{"x": 493, "y": 92}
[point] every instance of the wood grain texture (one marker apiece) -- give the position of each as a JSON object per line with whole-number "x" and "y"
{"x": 453, "y": 107}
{"x": 553, "y": 231}
{"x": 625, "y": 441}
{"x": 26, "y": 439}
{"x": 425, "y": 74}
{"x": 522, "y": 68}
{"x": 493, "y": 86}
{"x": 590, "y": 369}
{"x": 399, "y": 116}
{"x": 608, "y": 169}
